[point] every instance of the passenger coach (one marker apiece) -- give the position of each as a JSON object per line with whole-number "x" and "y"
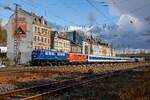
{"x": 95, "y": 58}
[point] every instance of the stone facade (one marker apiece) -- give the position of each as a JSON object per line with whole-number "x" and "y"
{"x": 60, "y": 42}
{"x": 75, "y": 48}
{"x": 105, "y": 50}
{"x": 86, "y": 47}
{"x": 41, "y": 34}
{"x": 98, "y": 47}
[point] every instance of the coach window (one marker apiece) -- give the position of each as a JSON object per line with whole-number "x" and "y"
{"x": 90, "y": 57}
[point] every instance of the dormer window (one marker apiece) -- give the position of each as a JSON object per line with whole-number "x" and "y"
{"x": 35, "y": 19}
{"x": 45, "y": 22}
{"x": 40, "y": 20}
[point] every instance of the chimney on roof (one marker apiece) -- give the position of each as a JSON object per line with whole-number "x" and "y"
{"x": 18, "y": 7}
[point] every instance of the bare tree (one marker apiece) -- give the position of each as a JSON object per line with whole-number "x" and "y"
{"x": 0, "y": 31}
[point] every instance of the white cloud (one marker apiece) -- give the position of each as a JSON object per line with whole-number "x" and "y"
{"x": 132, "y": 22}
{"x": 127, "y": 22}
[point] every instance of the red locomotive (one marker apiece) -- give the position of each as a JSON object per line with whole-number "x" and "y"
{"x": 74, "y": 57}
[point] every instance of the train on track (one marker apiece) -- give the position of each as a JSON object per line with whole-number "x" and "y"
{"x": 48, "y": 57}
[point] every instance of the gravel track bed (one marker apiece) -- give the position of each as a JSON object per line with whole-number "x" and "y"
{"x": 11, "y": 81}
{"x": 133, "y": 84}
{"x": 34, "y": 82}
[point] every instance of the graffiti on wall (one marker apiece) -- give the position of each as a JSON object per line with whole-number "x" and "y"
{"x": 19, "y": 27}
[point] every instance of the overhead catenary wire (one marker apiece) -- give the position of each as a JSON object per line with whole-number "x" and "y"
{"x": 56, "y": 16}
{"x": 99, "y": 11}
{"x": 130, "y": 11}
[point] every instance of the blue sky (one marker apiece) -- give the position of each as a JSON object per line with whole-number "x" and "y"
{"x": 63, "y": 12}
{"x": 76, "y": 12}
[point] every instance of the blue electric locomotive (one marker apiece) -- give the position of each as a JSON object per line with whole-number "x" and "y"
{"x": 47, "y": 57}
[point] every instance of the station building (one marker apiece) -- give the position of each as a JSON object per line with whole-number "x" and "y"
{"x": 32, "y": 32}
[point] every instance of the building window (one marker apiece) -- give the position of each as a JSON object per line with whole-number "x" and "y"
{"x": 35, "y": 48}
{"x": 38, "y": 30}
{"x": 42, "y": 39}
{"x": 45, "y": 31}
{"x": 40, "y": 20}
{"x": 49, "y": 33}
{"x": 34, "y": 38}
{"x": 38, "y": 38}
{"x": 35, "y": 29}
{"x": 48, "y": 41}
{"x": 45, "y": 22}
{"x": 45, "y": 40}
{"x": 42, "y": 31}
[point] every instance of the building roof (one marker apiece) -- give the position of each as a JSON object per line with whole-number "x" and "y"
{"x": 60, "y": 35}
{"x": 33, "y": 16}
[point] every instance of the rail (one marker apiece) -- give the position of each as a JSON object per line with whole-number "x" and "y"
{"x": 34, "y": 93}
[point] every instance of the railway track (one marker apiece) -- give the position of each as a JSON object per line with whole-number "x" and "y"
{"x": 54, "y": 69}
{"x": 22, "y": 68}
{"x": 43, "y": 91}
